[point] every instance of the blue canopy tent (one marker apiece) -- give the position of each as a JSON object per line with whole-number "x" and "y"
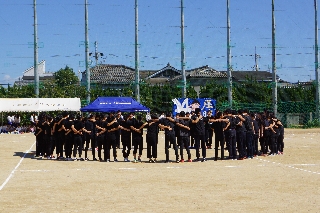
{"x": 109, "y": 104}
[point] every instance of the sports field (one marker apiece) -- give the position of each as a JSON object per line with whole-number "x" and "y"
{"x": 282, "y": 183}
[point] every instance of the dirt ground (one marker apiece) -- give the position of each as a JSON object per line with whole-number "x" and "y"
{"x": 282, "y": 183}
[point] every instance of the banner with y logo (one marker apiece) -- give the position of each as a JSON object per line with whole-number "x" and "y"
{"x": 190, "y": 104}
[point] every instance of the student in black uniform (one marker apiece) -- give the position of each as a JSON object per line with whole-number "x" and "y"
{"x": 249, "y": 132}
{"x": 208, "y": 129}
{"x": 61, "y": 134}
{"x": 230, "y": 134}
{"x": 39, "y": 132}
{"x": 101, "y": 134}
{"x": 90, "y": 126}
{"x": 168, "y": 124}
{"x": 241, "y": 136}
{"x": 152, "y": 138}
{"x": 275, "y": 135}
{"x": 120, "y": 119}
{"x": 199, "y": 134}
{"x": 177, "y": 130}
{"x": 68, "y": 137}
{"x": 50, "y": 137}
{"x": 137, "y": 137}
{"x": 78, "y": 130}
{"x": 56, "y": 134}
{"x": 112, "y": 127}
{"x": 126, "y": 136}
{"x": 256, "y": 133}
{"x": 184, "y": 126}
{"x": 218, "y": 125}
{"x": 42, "y": 142}
{"x": 191, "y": 140}
{"x": 267, "y": 133}
{"x": 280, "y": 143}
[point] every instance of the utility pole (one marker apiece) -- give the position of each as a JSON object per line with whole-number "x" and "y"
{"x": 136, "y": 49}
{"x": 183, "y": 63}
{"x": 316, "y": 62}
{"x": 229, "y": 69}
{"x": 35, "y": 47}
{"x": 87, "y": 51}
{"x": 274, "y": 68}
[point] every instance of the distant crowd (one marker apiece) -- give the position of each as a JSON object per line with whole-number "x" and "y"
{"x": 14, "y": 126}
{"x": 243, "y": 134}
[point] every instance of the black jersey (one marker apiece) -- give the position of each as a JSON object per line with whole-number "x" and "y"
{"x": 136, "y": 124}
{"x": 183, "y": 131}
{"x": 78, "y": 125}
{"x": 199, "y": 127}
{"x": 168, "y": 123}
{"x": 153, "y": 127}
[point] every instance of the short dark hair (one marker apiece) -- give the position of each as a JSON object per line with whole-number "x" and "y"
{"x": 197, "y": 110}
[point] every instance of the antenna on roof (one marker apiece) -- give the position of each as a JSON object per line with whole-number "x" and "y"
{"x": 96, "y": 53}
{"x": 256, "y": 57}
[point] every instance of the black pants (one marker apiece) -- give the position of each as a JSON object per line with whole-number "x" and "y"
{"x": 126, "y": 146}
{"x": 255, "y": 144}
{"x": 110, "y": 142}
{"x": 50, "y": 145}
{"x": 77, "y": 145}
{"x": 137, "y": 142}
{"x": 170, "y": 139}
{"x": 274, "y": 143}
{"x": 249, "y": 138}
{"x": 280, "y": 143}
{"x": 68, "y": 145}
{"x": 118, "y": 133}
{"x": 209, "y": 136}
{"x": 184, "y": 143}
{"x": 60, "y": 143}
{"x": 40, "y": 145}
{"x": 46, "y": 145}
{"x": 100, "y": 141}
{"x": 219, "y": 139}
{"x": 89, "y": 138}
{"x": 241, "y": 143}
{"x": 200, "y": 140}
{"x": 152, "y": 145}
{"x": 231, "y": 141}
{"x": 266, "y": 141}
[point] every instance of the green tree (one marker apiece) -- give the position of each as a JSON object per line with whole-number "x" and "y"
{"x": 65, "y": 77}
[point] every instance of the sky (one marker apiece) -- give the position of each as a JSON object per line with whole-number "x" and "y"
{"x": 61, "y": 35}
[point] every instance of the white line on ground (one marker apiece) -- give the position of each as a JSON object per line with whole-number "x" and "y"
{"x": 127, "y": 168}
{"x": 292, "y": 167}
{"x": 303, "y": 164}
{"x": 15, "y": 168}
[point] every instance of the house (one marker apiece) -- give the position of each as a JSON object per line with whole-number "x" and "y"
{"x": 28, "y": 75}
{"x": 112, "y": 76}
{"x": 120, "y": 76}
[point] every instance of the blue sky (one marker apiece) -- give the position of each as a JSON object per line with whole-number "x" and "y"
{"x": 111, "y": 24}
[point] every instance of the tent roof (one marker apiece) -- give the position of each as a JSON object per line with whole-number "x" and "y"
{"x": 109, "y": 104}
{"x": 39, "y": 104}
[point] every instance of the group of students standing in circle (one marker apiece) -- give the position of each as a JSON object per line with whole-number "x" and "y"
{"x": 240, "y": 131}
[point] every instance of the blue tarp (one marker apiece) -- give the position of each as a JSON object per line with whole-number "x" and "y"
{"x": 109, "y": 104}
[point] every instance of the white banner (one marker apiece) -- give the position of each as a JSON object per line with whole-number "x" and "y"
{"x": 39, "y": 104}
